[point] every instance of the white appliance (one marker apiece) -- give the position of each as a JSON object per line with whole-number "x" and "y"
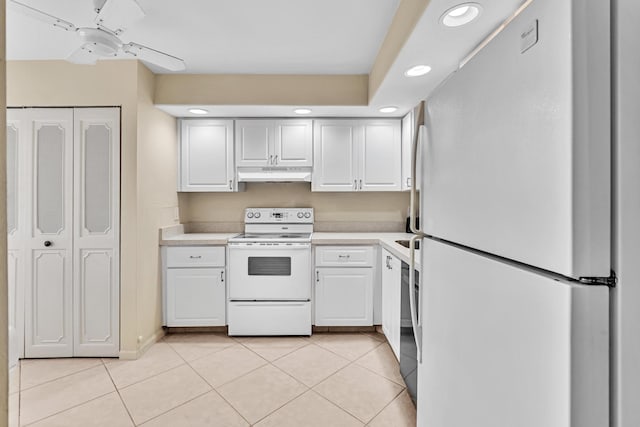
{"x": 270, "y": 273}
{"x": 512, "y": 319}
{"x": 274, "y": 174}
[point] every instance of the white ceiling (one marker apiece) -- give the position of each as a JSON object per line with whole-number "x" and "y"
{"x": 227, "y": 36}
{"x": 277, "y": 37}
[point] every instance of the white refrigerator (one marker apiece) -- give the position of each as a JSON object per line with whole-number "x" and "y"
{"x": 513, "y": 313}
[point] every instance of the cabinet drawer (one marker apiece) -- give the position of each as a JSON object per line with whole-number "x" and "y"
{"x": 196, "y": 256}
{"x": 357, "y": 256}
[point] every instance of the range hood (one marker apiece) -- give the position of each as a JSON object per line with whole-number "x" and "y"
{"x": 274, "y": 174}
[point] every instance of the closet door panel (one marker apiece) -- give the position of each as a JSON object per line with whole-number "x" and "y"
{"x": 96, "y": 184}
{"x": 48, "y": 313}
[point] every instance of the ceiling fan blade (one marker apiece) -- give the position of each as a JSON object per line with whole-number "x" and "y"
{"x": 41, "y": 16}
{"x": 153, "y": 56}
{"x": 83, "y": 55}
{"x": 118, "y": 15}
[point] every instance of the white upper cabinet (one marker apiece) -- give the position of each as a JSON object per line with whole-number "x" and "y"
{"x": 380, "y": 159}
{"x": 334, "y": 149}
{"x": 408, "y": 137}
{"x": 264, "y": 142}
{"x": 357, "y": 155}
{"x": 206, "y": 155}
{"x": 254, "y": 139}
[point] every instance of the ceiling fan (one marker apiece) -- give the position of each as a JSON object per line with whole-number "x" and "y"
{"x": 113, "y": 17}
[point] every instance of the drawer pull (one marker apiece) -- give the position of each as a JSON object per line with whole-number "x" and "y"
{"x": 344, "y": 256}
{"x": 195, "y": 256}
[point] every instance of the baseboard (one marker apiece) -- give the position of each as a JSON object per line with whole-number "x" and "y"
{"x": 195, "y": 329}
{"x": 133, "y": 355}
{"x": 320, "y": 329}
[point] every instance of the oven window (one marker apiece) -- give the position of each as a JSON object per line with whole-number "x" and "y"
{"x": 269, "y": 266}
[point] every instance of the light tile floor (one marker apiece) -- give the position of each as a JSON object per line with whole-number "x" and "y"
{"x": 191, "y": 380}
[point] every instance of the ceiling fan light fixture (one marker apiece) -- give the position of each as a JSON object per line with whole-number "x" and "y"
{"x": 100, "y": 42}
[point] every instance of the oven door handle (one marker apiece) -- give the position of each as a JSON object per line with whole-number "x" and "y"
{"x": 254, "y": 247}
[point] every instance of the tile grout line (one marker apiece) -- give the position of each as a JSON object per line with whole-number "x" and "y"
{"x": 119, "y": 395}
{"x": 308, "y": 389}
{"x": 68, "y": 409}
{"x": 378, "y": 373}
{"x": 219, "y": 394}
{"x": 204, "y": 355}
{"x": 279, "y": 357}
{"x": 396, "y": 397}
{"x": 175, "y": 407}
{"x": 339, "y": 407}
{"x": 55, "y": 379}
{"x": 360, "y": 356}
{"x": 355, "y": 364}
{"x": 144, "y": 379}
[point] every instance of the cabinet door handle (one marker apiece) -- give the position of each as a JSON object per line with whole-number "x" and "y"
{"x": 275, "y": 160}
{"x": 222, "y": 276}
{"x": 355, "y": 184}
{"x": 271, "y": 159}
{"x": 388, "y": 260}
{"x": 317, "y": 275}
{"x": 230, "y": 184}
{"x": 195, "y": 256}
{"x": 408, "y": 182}
{"x": 361, "y": 184}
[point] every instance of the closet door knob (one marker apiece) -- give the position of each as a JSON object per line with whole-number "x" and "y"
{"x": 48, "y": 243}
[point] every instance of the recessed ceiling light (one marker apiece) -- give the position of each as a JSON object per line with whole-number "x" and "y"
{"x": 389, "y": 109}
{"x": 461, "y": 14}
{"x": 199, "y": 111}
{"x": 302, "y": 111}
{"x": 418, "y": 70}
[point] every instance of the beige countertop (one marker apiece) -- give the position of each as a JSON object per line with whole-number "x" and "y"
{"x": 175, "y": 237}
{"x": 197, "y": 239}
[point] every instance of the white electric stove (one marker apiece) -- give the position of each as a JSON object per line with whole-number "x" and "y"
{"x": 270, "y": 273}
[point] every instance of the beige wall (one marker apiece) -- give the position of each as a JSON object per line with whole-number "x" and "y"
{"x": 365, "y": 208}
{"x": 157, "y": 201}
{"x": 4, "y": 363}
{"x": 404, "y": 21}
{"x": 129, "y": 85}
{"x": 257, "y": 89}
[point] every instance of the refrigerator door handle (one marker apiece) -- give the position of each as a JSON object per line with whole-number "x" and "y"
{"x": 416, "y": 323}
{"x": 414, "y": 178}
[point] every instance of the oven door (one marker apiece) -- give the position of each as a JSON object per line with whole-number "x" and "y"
{"x": 269, "y": 271}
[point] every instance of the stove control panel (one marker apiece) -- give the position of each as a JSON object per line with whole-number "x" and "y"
{"x": 278, "y": 215}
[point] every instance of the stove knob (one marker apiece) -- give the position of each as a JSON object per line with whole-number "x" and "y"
{"x": 249, "y": 214}
{"x": 257, "y": 215}
{"x": 307, "y": 214}
{"x": 300, "y": 214}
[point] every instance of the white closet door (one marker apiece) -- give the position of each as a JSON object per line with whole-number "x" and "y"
{"x": 96, "y": 234}
{"x": 48, "y": 314}
{"x": 16, "y": 230}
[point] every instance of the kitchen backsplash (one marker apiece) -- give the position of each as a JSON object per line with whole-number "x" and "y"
{"x": 223, "y": 212}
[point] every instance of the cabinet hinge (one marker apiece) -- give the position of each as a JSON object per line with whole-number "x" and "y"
{"x": 610, "y": 281}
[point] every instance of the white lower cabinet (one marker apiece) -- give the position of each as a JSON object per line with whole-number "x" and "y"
{"x": 391, "y": 294}
{"x": 194, "y": 292}
{"x": 344, "y": 286}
